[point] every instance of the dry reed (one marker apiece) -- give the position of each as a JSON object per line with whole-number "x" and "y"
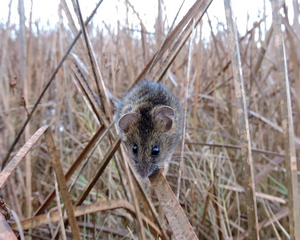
{"x": 73, "y": 84}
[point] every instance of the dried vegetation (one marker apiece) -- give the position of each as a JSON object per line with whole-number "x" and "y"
{"x": 113, "y": 205}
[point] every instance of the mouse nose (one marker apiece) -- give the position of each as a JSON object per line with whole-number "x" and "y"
{"x": 144, "y": 170}
{"x": 144, "y": 174}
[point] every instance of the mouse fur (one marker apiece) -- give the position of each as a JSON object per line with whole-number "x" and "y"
{"x": 150, "y": 121}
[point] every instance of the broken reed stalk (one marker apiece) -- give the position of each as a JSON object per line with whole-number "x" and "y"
{"x": 60, "y": 177}
{"x": 243, "y": 124}
{"x": 5, "y": 230}
{"x": 7, "y": 171}
{"x": 178, "y": 221}
{"x": 287, "y": 125}
{"x": 149, "y": 203}
{"x": 61, "y": 212}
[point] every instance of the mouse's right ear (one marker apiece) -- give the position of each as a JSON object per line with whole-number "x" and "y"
{"x": 127, "y": 121}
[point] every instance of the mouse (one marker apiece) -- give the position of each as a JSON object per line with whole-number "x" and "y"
{"x": 149, "y": 118}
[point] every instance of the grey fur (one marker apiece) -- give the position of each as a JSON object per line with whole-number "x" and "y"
{"x": 148, "y": 130}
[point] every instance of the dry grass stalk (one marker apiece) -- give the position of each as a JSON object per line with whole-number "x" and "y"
{"x": 287, "y": 125}
{"x": 98, "y": 173}
{"x": 89, "y": 148}
{"x": 5, "y": 230}
{"x": 172, "y": 34}
{"x": 60, "y": 177}
{"x": 186, "y": 93}
{"x": 89, "y": 97}
{"x": 61, "y": 225}
{"x": 149, "y": 203}
{"x": 134, "y": 197}
{"x": 243, "y": 125}
{"x": 203, "y": 6}
{"x": 199, "y": 5}
{"x": 6, "y": 158}
{"x": 211, "y": 192}
{"x": 24, "y": 97}
{"x": 104, "y": 100}
{"x": 180, "y": 225}
{"x": 54, "y": 216}
{"x": 20, "y": 155}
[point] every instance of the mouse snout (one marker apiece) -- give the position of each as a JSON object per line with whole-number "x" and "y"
{"x": 145, "y": 169}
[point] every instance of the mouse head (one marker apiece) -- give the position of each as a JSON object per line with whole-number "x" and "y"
{"x": 147, "y": 135}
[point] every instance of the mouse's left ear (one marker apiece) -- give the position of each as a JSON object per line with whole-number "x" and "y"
{"x": 165, "y": 116}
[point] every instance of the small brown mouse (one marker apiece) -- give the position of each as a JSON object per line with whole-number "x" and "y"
{"x": 150, "y": 119}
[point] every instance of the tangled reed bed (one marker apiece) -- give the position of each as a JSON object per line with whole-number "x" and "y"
{"x": 212, "y": 191}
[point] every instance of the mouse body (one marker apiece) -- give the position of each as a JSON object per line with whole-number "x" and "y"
{"x": 150, "y": 121}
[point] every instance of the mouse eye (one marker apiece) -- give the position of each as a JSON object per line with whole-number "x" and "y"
{"x": 155, "y": 150}
{"x": 135, "y": 149}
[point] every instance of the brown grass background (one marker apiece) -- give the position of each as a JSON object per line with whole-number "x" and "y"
{"x": 212, "y": 185}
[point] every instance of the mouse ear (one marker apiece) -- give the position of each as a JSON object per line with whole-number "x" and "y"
{"x": 127, "y": 121}
{"x": 165, "y": 115}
